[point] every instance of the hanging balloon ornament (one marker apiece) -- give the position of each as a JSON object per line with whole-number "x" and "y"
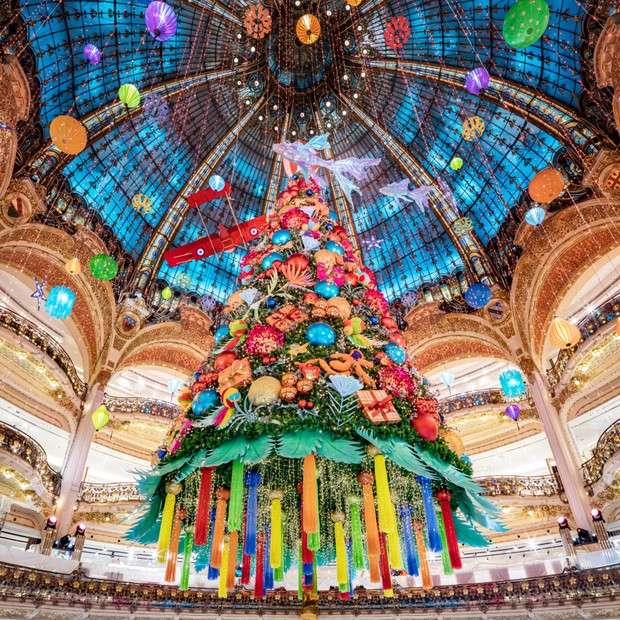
{"x": 141, "y": 203}
{"x": 397, "y": 32}
{"x": 513, "y": 412}
{"x": 257, "y": 22}
{"x": 535, "y": 216}
{"x": 166, "y": 293}
{"x": 463, "y": 226}
{"x": 216, "y": 183}
{"x": 512, "y": 384}
{"x": 456, "y": 163}
{"x": 183, "y": 281}
{"x": 478, "y": 295}
{"x": 103, "y": 267}
{"x": 68, "y": 135}
{"x": 525, "y": 23}
{"x": 73, "y": 266}
{"x": 472, "y": 128}
{"x": 447, "y": 378}
{"x": 477, "y": 80}
{"x": 92, "y": 54}
{"x": 564, "y": 335}
{"x": 156, "y": 107}
{"x": 100, "y": 417}
{"x": 546, "y": 185}
{"x": 129, "y": 95}
{"x": 161, "y": 20}
{"x": 60, "y": 302}
{"x": 308, "y": 29}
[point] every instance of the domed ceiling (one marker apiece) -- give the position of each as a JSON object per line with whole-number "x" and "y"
{"x": 213, "y": 93}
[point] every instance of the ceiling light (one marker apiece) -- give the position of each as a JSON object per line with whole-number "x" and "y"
{"x": 275, "y": 106}
{"x": 344, "y": 113}
{"x": 347, "y": 42}
{"x": 276, "y": 128}
{"x": 363, "y": 74}
{"x": 239, "y": 35}
{"x": 312, "y": 132}
{"x": 359, "y": 28}
{"x": 236, "y": 60}
{"x": 252, "y": 49}
{"x": 247, "y": 102}
{"x": 346, "y": 77}
{"x": 328, "y": 13}
{"x": 328, "y": 104}
{"x": 365, "y": 52}
{"x": 239, "y": 82}
{"x": 256, "y": 83}
{"x": 329, "y": 125}
{"x": 355, "y": 95}
{"x": 302, "y": 114}
{"x": 297, "y": 3}
{"x": 261, "y": 117}
{"x": 293, "y": 133}
{"x": 347, "y": 7}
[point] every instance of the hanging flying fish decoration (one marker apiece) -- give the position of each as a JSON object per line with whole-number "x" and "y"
{"x": 400, "y": 191}
{"x": 301, "y": 155}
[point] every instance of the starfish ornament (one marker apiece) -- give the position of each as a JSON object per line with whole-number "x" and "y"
{"x": 372, "y": 242}
{"x": 39, "y": 294}
{"x": 297, "y": 349}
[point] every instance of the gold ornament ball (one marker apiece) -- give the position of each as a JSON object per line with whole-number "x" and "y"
{"x": 455, "y": 443}
{"x": 288, "y": 393}
{"x": 341, "y": 305}
{"x": 288, "y": 379}
{"x": 264, "y": 391}
{"x": 305, "y": 386}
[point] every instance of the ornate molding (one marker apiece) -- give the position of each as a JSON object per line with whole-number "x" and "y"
{"x": 607, "y": 61}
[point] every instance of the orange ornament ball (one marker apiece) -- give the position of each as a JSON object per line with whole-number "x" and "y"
{"x": 224, "y": 360}
{"x": 298, "y": 261}
{"x": 546, "y": 185}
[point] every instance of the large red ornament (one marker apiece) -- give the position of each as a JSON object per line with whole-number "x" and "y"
{"x": 388, "y": 322}
{"x": 224, "y": 360}
{"x": 426, "y": 427}
{"x": 398, "y": 338}
{"x": 299, "y": 261}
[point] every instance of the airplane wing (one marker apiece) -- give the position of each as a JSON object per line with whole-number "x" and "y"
{"x": 207, "y": 195}
{"x": 196, "y": 250}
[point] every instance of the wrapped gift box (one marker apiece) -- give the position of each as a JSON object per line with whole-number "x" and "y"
{"x": 237, "y": 374}
{"x": 378, "y": 407}
{"x": 287, "y": 318}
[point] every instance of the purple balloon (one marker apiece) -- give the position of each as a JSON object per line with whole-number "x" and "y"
{"x": 477, "y": 80}
{"x": 92, "y": 54}
{"x": 161, "y": 20}
{"x": 513, "y": 412}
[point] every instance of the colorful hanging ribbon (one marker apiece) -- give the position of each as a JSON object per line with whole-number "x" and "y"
{"x": 204, "y": 503}
{"x": 434, "y": 538}
{"x": 165, "y": 529}
{"x": 444, "y": 498}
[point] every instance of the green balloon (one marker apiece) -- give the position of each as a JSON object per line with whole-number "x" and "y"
{"x": 525, "y": 22}
{"x": 103, "y": 267}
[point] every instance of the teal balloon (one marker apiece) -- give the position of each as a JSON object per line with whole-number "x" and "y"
{"x": 280, "y": 237}
{"x": 326, "y": 289}
{"x": 205, "y": 401}
{"x": 270, "y": 259}
{"x": 395, "y": 353}
{"x": 320, "y": 335}
{"x": 334, "y": 247}
{"x": 221, "y": 333}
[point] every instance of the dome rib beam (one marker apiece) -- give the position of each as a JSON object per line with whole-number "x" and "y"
{"x": 215, "y": 8}
{"x": 556, "y": 119}
{"x": 171, "y": 222}
{"x": 108, "y": 117}
{"x": 277, "y": 169}
{"x": 469, "y": 246}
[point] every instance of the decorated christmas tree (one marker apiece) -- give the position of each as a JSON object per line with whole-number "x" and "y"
{"x": 308, "y": 437}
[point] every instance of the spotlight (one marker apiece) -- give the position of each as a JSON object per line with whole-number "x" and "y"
{"x": 239, "y": 36}
{"x": 562, "y": 523}
{"x": 363, "y": 74}
{"x": 80, "y": 529}
{"x": 236, "y": 60}
{"x": 276, "y": 128}
{"x": 51, "y": 522}
{"x": 597, "y": 515}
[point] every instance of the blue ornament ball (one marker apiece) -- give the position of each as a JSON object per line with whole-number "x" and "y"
{"x": 197, "y": 376}
{"x": 334, "y": 247}
{"x": 320, "y": 334}
{"x": 309, "y": 192}
{"x": 374, "y": 320}
{"x": 478, "y": 295}
{"x": 280, "y": 237}
{"x": 270, "y": 259}
{"x": 295, "y": 177}
{"x": 204, "y": 401}
{"x": 326, "y": 289}
{"x": 395, "y": 353}
{"x": 333, "y": 216}
{"x": 161, "y": 453}
{"x": 329, "y": 226}
{"x": 221, "y": 333}
{"x": 216, "y": 183}
{"x": 271, "y": 303}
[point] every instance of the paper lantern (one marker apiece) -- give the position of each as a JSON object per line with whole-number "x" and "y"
{"x": 397, "y": 32}
{"x": 257, "y": 21}
{"x": 60, "y": 302}
{"x": 546, "y": 185}
{"x": 216, "y": 183}
{"x": 456, "y": 163}
{"x": 513, "y": 412}
{"x": 525, "y": 23}
{"x": 161, "y": 20}
{"x": 535, "y": 216}
{"x": 100, "y": 417}
{"x": 564, "y": 335}
{"x": 73, "y": 266}
{"x": 68, "y": 135}
{"x": 472, "y": 128}
{"x": 166, "y": 293}
{"x": 92, "y": 54}
{"x": 103, "y": 267}
{"x": 308, "y": 29}
{"x": 512, "y": 384}
{"x": 129, "y": 95}
{"x": 173, "y": 385}
{"x": 141, "y": 203}
{"x": 478, "y": 295}
{"x": 447, "y": 378}
{"x": 477, "y": 80}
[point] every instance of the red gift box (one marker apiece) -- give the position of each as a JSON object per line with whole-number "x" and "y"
{"x": 286, "y": 318}
{"x": 378, "y": 407}
{"x": 237, "y": 374}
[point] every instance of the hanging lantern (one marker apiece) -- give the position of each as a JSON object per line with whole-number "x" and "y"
{"x": 535, "y": 216}
{"x": 472, "y": 128}
{"x": 100, "y": 417}
{"x": 456, "y": 163}
{"x": 513, "y": 412}
{"x": 141, "y": 203}
{"x": 173, "y": 385}
{"x": 60, "y": 302}
{"x": 166, "y": 293}
{"x": 129, "y": 95}
{"x": 161, "y": 20}
{"x": 525, "y": 23}
{"x": 73, "y": 266}
{"x": 477, "y": 80}
{"x": 257, "y": 21}
{"x": 68, "y": 135}
{"x": 308, "y": 29}
{"x": 217, "y": 183}
{"x": 92, "y": 54}
{"x": 564, "y": 335}
{"x": 512, "y": 383}
{"x": 447, "y": 378}
{"x": 478, "y": 295}
{"x": 463, "y": 226}
{"x": 397, "y": 32}
{"x": 103, "y": 267}
{"x": 546, "y": 185}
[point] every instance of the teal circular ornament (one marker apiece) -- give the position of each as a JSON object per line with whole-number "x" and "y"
{"x": 320, "y": 335}
{"x": 221, "y": 333}
{"x": 280, "y": 237}
{"x": 270, "y": 259}
{"x": 204, "y": 401}
{"x": 334, "y": 247}
{"x": 326, "y": 289}
{"x": 395, "y": 353}
{"x": 525, "y": 23}
{"x": 333, "y": 216}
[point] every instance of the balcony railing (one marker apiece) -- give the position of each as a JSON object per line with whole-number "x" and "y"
{"x": 476, "y": 398}
{"x": 28, "y": 450}
{"x": 44, "y": 342}
{"x": 142, "y": 405}
{"x": 589, "y": 326}
{"x": 607, "y": 445}
{"x": 530, "y": 486}
{"x": 99, "y": 493}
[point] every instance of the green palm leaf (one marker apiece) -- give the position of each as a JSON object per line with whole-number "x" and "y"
{"x": 298, "y": 445}
{"x": 228, "y": 451}
{"x": 258, "y": 449}
{"x": 340, "y": 450}
{"x": 468, "y": 534}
